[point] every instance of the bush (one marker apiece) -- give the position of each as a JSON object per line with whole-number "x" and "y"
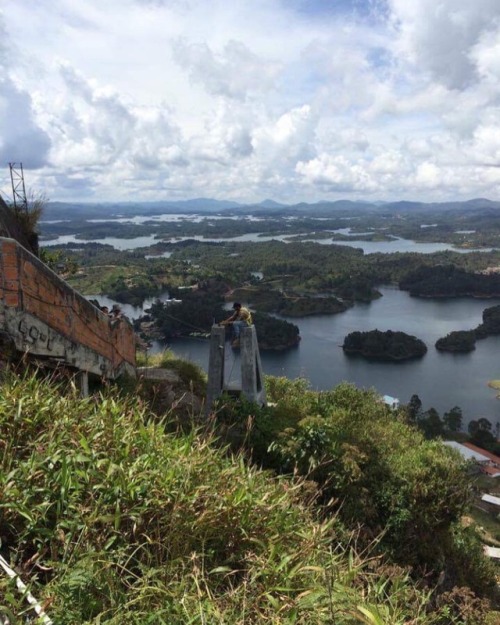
{"x": 372, "y": 467}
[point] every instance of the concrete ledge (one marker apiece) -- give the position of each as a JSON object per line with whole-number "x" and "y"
{"x": 157, "y": 373}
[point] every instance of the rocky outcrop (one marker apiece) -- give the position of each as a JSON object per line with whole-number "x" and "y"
{"x": 168, "y": 391}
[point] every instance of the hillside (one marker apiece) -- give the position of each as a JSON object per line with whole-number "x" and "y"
{"x": 118, "y": 513}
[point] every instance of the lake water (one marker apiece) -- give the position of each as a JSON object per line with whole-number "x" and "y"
{"x": 441, "y": 380}
{"x": 369, "y": 247}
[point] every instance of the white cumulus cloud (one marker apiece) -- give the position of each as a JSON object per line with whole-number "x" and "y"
{"x": 152, "y": 99}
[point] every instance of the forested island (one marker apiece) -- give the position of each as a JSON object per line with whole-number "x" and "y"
{"x": 465, "y": 340}
{"x": 199, "y": 309}
{"x": 472, "y": 224}
{"x": 457, "y": 341}
{"x": 377, "y": 345}
{"x": 450, "y": 281}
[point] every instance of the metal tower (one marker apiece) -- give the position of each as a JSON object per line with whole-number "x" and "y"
{"x": 18, "y": 188}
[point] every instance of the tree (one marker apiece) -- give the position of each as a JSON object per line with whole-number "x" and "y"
{"x": 480, "y": 431}
{"x": 414, "y": 408}
{"x": 430, "y": 423}
{"x": 473, "y": 427}
{"x": 484, "y": 425}
{"x": 453, "y": 419}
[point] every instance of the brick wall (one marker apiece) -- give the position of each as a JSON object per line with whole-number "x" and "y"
{"x": 29, "y": 286}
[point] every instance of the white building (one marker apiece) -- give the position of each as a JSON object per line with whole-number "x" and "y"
{"x": 467, "y": 453}
{"x": 392, "y": 402}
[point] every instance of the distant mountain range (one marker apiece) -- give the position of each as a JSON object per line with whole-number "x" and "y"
{"x": 80, "y": 210}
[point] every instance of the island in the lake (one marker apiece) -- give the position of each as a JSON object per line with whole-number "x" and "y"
{"x": 465, "y": 340}
{"x": 390, "y": 346}
{"x": 457, "y": 341}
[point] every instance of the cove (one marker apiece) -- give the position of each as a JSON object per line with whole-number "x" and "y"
{"x": 441, "y": 380}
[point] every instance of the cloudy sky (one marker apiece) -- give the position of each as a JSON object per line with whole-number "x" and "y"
{"x": 293, "y": 100}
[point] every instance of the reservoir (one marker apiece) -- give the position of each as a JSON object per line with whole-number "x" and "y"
{"x": 368, "y": 247}
{"x": 442, "y": 380}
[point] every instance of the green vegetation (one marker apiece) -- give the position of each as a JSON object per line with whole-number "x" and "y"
{"x": 450, "y": 281}
{"x": 465, "y": 341}
{"x": 28, "y": 216}
{"x": 124, "y": 276}
{"x": 490, "y": 324}
{"x": 458, "y": 341}
{"x": 112, "y": 520}
{"x": 494, "y": 384}
{"x": 389, "y": 345}
{"x": 199, "y": 309}
{"x": 267, "y": 299}
{"x": 190, "y": 374}
{"x": 376, "y": 470}
{"x": 300, "y": 277}
{"x": 462, "y": 224}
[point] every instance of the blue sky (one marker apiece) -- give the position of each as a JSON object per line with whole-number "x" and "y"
{"x": 294, "y": 100}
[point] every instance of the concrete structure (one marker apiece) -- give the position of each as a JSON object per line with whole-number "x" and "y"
{"x": 494, "y": 459}
{"x": 252, "y": 377}
{"x": 42, "y": 316}
{"x": 491, "y": 471}
{"x": 492, "y": 552}
{"x": 487, "y": 463}
{"x": 392, "y": 402}
{"x": 492, "y": 501}
{"x": 469, "y": 454}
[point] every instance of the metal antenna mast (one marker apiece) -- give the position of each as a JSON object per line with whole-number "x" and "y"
{"x": 18, "y": 188}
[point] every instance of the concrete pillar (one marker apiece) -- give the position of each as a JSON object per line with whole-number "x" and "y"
{"x": 252, "y": 376}
{"x": 82, "y": 380}
{"x": 215, "y": 384}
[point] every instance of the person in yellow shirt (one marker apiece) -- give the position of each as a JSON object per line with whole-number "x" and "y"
{"x": 241, "y": 318}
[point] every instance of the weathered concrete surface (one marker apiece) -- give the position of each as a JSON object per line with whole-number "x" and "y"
{"x": 252, "y": 376}
{"x": 215, "y": 384}
{"x": 167, "y": 391}
{"x": 45, "y": 317}
{"x": 158, "y": 373}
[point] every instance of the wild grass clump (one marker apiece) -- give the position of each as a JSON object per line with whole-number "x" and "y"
{"x": 114, "y": 521}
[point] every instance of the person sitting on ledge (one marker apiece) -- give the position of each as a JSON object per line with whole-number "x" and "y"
{"x": 115, "y": 315}
{"x": 241, "y": 318}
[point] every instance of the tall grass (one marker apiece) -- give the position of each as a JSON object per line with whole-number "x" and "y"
{"x": 114, "y": 521}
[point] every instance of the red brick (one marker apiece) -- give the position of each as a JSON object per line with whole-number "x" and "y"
{"x": 11, "y": 299}
{"x": 11, "y": 285}
{"x": 10, "y": 273}
{"x": 9, "y": 255}
{"x": 29, "y": 270}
